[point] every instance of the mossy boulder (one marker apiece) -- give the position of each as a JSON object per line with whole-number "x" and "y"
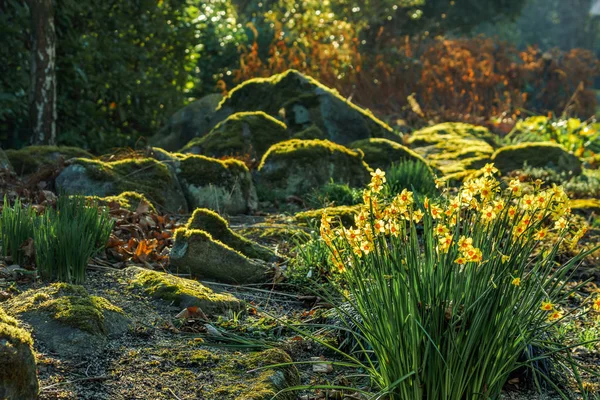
{"x": 29, "y": 160}
{"x": 454, "y": 147}
{"x": 194, "y": 120}
{"x": 196, "y": 252}
{"x": 537, "y": 155}
{"x": 585, "y": 205}
{"x": 67, "y": 320}
{"x": 218, "y": 228}
{"x": 305, "y": 102}
{"x": 222, "y": 185}
{"x": 18, "y": 376}
{"x": 344, "y": 214}
{"x": 242, "y": 133}
{"x": 296, "y": 167}
{"x": 126, "y": 200}
{"x": 382, "y": 153}
{"x": 147, "y": 176}
{"x": 181, "y": 292}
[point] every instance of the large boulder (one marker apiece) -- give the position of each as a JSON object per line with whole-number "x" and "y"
{"x": 18, "y": 377}
{"x": 296, "y": 167}
{"x": 196, "y": 252}
{"x": 304, "y": 102}
{"x": 181, "y": 291}
{"x": 537, "y": 155}
{"x": 244, "y": 133}
{"x": 67, "y": 320}
{"x": 148, "y": 176}
{"x": 218, "y": 228}
{"x": 222, "y": 185}
{"x": 454, "y": 147}
{"x": 29, "y": 160}
{"x": 382, "y": 153}
{"x": 194, "y": 120}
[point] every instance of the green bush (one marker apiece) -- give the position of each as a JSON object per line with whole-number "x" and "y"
{"x": 450, "y": 295}
{"x": 16, "y": 226}
{"x": 334, "y": 194}
{"x": 66, "y": 237}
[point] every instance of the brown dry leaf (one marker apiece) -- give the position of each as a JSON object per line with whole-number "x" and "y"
{"x": 28, "y": 248}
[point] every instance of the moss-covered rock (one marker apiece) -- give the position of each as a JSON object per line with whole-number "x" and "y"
{"x": 29, "y": 160}
{"x": 344, "y": 214}
{"x": 126, "y": 200}
{"x": 537, "y": 155}
{"x": 242, "y": 133}
{"x": 18, "y": 377}
{"x": 382, "y": 153}
{"x": 196, "y": 252}
{"x": 454, "y": 147}
{"x": 585, "y": 205}
{"x": 67, "y": 320}
{"x": 218, "y": 228}
{"x": 194, "y": 120}
{"x": 305, "y": 103}
{"x": 181, "y": 292}
{"x": 148, "y": 176}
{"x": 222, "y": 185}
{"x": 296, "y": 167}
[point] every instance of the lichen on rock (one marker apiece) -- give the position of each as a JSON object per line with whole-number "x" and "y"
{"x": 218, "y": 228}
{"x": 29, "y": 160}
{"x": 18, "y": 376}
{"x": 147, "y": 176}
{"x": 382, "y": 153}
{"x": 454, "y": 147}
{"x": 68, "y": 320}
{"x": 305, "y": 103}
{"x": 536, "y": 154}
{"x": 181, "y": 291}
{"x": 195, "y": 251}
{"x": 295, "y": 167}
{"x": 222, "y": 185}
{"x": 242, "y": 133}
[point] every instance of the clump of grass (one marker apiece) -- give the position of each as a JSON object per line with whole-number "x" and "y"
{"x": 447, "y": 296}
{"x": 16, "y": 226}
{"x": 67, "y": 236}
{"x": 334, "y": 194}
{"x": 413, "y": 175}
{"x": 312, "y": 261}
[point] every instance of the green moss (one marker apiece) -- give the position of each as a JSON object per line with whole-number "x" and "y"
{"x": 551, "y": 155}
{"x": 214, "y": 224}
{"x": 11, "y": 332}
{"x": 68, "y": 304}
{"x": 126, "y": 200}
{"x": 291, "y": 87}
{"x": 206, "y": 171}
{"x": 182, "y": 292}
{"x": 241, "y": 133}
{"x": 590, "y": 205}
{"x": 382, "y": 153}
{"x": 29, "y": 160}
{"x": 345, "y": 214}
{"x": 454, "y": 147}
{"x": 310, "y": 133}
{"x": 274, "y": 233}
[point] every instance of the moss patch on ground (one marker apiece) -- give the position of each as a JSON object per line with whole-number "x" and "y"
{"x": 344, "y": 214}
{"x": 218, "y": 228}
{"x": 182, "y": 292}
{"x": 240, "y": 134}
{"x": 382, "y": 153}
{"x": 69, "y": 304}
{"x": 29, "y": 160}
{"x": 537, "y": 155}
{"x": 454, "y": 147}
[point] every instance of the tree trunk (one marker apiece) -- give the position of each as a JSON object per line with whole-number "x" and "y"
{"x": 42, "y": 96}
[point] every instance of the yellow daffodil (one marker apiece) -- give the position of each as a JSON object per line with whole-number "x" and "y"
{"x": 546, "y": 306}
{"x": 516, "y": 282}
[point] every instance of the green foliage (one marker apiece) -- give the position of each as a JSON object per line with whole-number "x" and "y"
{"x": 66, "y": 237}
{"x": 411, "y": 174}
{"x": 16, "y": 226}
{"x": 579, "y": 137}
{"x": 312, "y": 260}
{"x": 334, "y": 194}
